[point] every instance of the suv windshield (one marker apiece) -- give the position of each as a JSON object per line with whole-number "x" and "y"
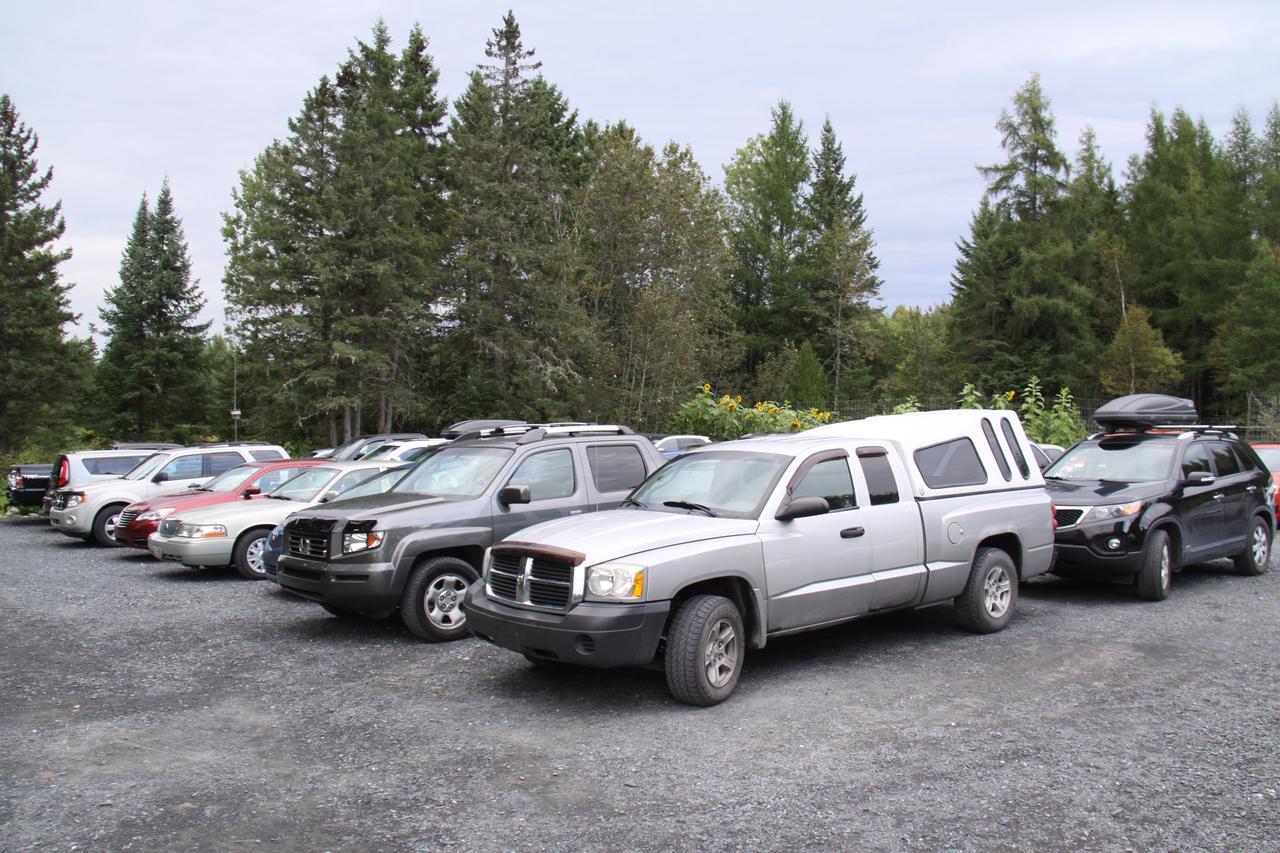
{"x": 230, "y": 479}
{"x": 305, "y": 486}
{"x": 455, "y": 472}
{"x": 375, "y": 485}
{"x": 1121, "y": 459}
{"x": 729, "y": 484}
{"x": 147, "y": 466}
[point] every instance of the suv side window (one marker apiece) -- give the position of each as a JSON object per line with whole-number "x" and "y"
{"x": 616, "y": 467}
{"x": 548, "y": 474}
{"x": 216, "y": 463}
{"x": 1196, "y": 459}
{"x": 186, "y": 467}
{"x": 266, "y": 455}
{"x": 112, "y": 465}
{"x": 828, "y": 479}
{"x": 1224, "y": 459}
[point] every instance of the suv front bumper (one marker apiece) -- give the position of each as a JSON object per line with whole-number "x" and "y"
{"x": 589, "y": 634}
{"x": 360, "y": 587}
{"x": 1087, "y": 547}
{"x": 76, "y": 521}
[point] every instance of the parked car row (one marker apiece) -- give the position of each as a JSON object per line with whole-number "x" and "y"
{"x": 583, "y": 544}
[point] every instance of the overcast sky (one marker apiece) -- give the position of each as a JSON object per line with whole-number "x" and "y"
{"x": 124, "y": 93}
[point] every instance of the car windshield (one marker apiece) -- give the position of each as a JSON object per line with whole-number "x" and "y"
{"x": 1270, "y": 457}
{"x": 230, "y": 479}
{"x": 455, "y": 472}
{"x": 147, "y": 466}
{"x": 727, "y": 483}
{"x": 305, "y": 486}
{"x": 1124, "y": 460}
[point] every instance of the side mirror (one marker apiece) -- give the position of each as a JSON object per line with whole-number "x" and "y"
{"x": 513, "y": 495}
{"x": 328, "y": 496}
{"x": 162, "y": 477}
{"x": 251, "y": 491}
{"x": 1199, "y": 478}
{"x": 803, "y": 508}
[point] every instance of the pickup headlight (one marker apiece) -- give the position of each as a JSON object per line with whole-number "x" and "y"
{"x": 155, "y": 514}
{"x": 615, "y": 582}
{"x": 201, "y": 531}
{"x": 366, "y": 541}
{"x": 1114, "y": 511}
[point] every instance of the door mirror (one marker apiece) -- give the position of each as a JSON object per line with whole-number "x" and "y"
{"x": 328, "y": 496}
{"x": 162, "y": 477}
{"x": 1199, "y": 478}
{"x": 509, "y": 495}
{"x": 251, "y": 491}
{"x": 803, "y": 508}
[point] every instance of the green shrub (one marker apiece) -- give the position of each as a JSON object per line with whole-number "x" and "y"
{"x": 727, "y": 417}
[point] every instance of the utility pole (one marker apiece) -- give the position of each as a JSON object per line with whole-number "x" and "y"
{"x": 235, "y": 393}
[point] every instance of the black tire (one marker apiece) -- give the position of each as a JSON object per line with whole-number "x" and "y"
{"x": 1153, "y": 580}
{"x": 103, "y": 530}
{"x": 247, "y": 556}
{"x": 1255, "y": 559}
{"x": 706, "y": 632}
{"x": 990, "y": 594}
{"x": 431, "y": 605}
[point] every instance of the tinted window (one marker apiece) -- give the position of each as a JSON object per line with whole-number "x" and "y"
{"x": 880, "y": 481}
{"x": 951, "y": 463}
{"x": 113, "y": 466}
{"x": 216, "y": 463}
{"x": 1224, "y": 459}
{"x": 265, "y": 455}
{"x": 186, "y": 467}
{"x": 1001, "y": 462}
{"x": 1015, "y": 448}
{"x": 616, "y": 467}
{"x": 548, "y": 475}
{"x": 1246, "y": 459}
{"x": 1196, "y": 459}
{"x": 829, "y": 479}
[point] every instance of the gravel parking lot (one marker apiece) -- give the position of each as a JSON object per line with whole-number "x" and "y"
{"x": 146, "y": 706}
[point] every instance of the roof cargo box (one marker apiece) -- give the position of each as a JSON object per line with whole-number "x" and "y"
{"x": 1144, "y": 411}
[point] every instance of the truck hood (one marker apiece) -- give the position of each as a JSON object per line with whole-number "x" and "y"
{"x": 617, "y": 533}
{"x": 386, "y": 508}
{"x": 1102, "y": 492}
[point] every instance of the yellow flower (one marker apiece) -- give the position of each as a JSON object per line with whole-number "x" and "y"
{"x": 1012, "y": 394}
{"x": 773, "y": 410}
{"x": 795, "y": 425}
{"x": 739, "y": 398}
{"x": 706, "y": 387}
{"x": 732, "y": 405}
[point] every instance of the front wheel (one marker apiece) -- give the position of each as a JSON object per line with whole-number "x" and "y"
{"x": 431, "y": 606}
{"x": 1255, "y": 559}
{"x": 248, "y": 555}
{"x": 706, "y": 645}
{"x": 986, "y": 605}
{"x": 1156, "y": 574}
{"x": 104, "y": 525}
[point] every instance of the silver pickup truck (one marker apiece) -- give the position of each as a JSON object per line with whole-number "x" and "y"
{"x": 736, "y": 543}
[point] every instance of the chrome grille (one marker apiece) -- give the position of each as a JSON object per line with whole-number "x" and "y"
{"x": 302, "y": 545}
{"x": 532, "y": 581}
{"x": 170, "y": 526}
{"x": 126, "y": 518}
{"x": 1066, "y": 517}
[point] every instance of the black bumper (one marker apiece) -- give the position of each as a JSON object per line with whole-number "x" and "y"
{"x": 359, "y": 587}
{"x": 25, "y": 497}
{"x": 1086, "y": 548}
{"x": 590, "y": 634}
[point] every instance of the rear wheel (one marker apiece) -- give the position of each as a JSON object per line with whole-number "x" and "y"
{"x": 248, "y": 554}
{"x": 431, "y": 605}
{"x": 706, "y": 645}
{"x": 104, "y": 524}
{"x": 987, "y": 603}
{"x": 1255, "y": 559}
{"x": 1156, "y": 575}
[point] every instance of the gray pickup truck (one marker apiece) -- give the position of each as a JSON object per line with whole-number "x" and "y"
{"x": 417, "y": 546}
{"x": 736, "y": 543}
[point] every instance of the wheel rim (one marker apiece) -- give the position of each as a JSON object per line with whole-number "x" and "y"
{"x": 1260, "y": 545}
{"x": 110, "y": 527}
{"x": 442, "y": 599}
{"x": 253, "y": 556}
{"x": 997, "y": 591}
{"x": 721, "y": 655}
{"x": 1166, "y": 567}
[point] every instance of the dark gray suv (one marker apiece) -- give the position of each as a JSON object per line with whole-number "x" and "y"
{"x": 417, "y": 547}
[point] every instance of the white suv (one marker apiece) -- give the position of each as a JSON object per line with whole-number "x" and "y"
{"x": 90, "y": 512}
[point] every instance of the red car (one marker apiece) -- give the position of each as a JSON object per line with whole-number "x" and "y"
{"x": 243, "y": 482}
{"x": 1270, "y": 454}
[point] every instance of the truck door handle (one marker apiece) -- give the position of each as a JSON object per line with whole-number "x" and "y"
{"x": 851, "y": 532}
{"x": 1218, "y": 496}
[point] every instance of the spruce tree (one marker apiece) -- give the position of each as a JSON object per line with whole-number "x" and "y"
{"x": 1137, "y": 361}
{"x": 35, "y": 362}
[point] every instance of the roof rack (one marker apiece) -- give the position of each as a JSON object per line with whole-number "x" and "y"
{"x": 1201, "y": 429}
{"x": 233, "y": 444}
{"x": 571, "y": 431}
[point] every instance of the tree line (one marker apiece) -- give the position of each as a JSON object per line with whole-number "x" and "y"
{"x": 396, "y": 261}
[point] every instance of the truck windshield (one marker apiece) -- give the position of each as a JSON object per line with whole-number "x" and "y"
{"x": 1124, "y": 460}
{"x": 147, "y": 466}
{"x": 730, "y": 484}
{"x": 455, "y": 472}
{"x": 305, "y": 486}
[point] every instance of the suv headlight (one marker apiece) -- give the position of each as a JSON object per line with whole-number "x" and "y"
{"x": 1114, "y": 511}
{"x": 367, "y": 540}
{"x": 75, "y": 499}
{"x": 155, "y": 514}
{"x": 201, "y": 531}
{"x": 615, "y": 582}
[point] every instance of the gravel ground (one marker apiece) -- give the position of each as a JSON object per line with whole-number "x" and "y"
{"x": 145, "y": 706}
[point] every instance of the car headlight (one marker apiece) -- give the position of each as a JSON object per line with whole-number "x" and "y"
{"x": 1114, "y": 511}
{"x": 615, "y": 582}
{"x": 155, "y": 514}
{"x": 366, "y": 540}
{"x": 201, "y": 531}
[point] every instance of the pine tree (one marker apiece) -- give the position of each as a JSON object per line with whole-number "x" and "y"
{"x": 34, "y": 354}
{"x": 1137, "y": 361}
{"x": 1247, "y": 357}
{"x": 1267, "y": 188}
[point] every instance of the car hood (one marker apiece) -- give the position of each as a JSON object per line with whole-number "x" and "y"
{"x": 242, "y": 514}
{"x": 1100, "y": 492}
{"x": 617, "y": 533}
{"x": 187, "y": 501}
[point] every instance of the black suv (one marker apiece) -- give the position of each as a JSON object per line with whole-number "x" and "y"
{"x": 1156, "y": 492}
{"x": 419, "y": 545}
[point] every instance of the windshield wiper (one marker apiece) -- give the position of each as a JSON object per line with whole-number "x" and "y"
{"x": 631, "y": 502}
{"x": 279, "y": 498}
{"x": 690, "y": 506}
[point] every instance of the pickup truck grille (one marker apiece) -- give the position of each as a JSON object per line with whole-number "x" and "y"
{"x": 1067, "y": 517}
{"x": 531, "y": 581}
{"x": 304, "y": 545}
{"x": 170, "y": 526}
{"x": 126, "y": 518}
